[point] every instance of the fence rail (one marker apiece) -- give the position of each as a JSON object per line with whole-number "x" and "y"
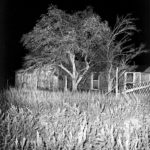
{"x": 141, "y": 88}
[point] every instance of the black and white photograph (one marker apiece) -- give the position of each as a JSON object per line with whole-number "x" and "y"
{"x": 75, "y": 75}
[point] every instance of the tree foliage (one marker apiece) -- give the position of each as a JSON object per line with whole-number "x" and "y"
{"x": 77, "y": 42}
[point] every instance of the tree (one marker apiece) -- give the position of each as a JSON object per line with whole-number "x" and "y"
{"x": 75, "y": 43}
{"x": 66, "y": 41}
{"x": 119, "y": 50}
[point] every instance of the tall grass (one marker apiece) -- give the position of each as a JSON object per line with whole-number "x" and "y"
{"x": 74, "y": 121}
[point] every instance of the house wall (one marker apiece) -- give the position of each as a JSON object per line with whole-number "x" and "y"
{"x": 103, "y": 84}
{"x": 134, "y": 79}
{"x": 36, "y": 79}
{"x": 43, "y": 78}
{"x": 94, "y": 82}
{"x": 85, "y": 84}
{"x": 26, "y": 80}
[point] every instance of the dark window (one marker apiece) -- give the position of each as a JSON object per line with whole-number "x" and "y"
{"x": 95, "y": 76}
{"x": 129, "y": 77}
{"x": 95, "y": 81}
{"x": 95, "y": 84}
{"x": 129, "y": 85}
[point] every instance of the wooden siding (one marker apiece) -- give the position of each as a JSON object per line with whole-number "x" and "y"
{"x": 46, "y": 78}
{"x": 40, "y": 78}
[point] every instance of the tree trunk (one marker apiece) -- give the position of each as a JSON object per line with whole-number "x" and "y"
{"x": 74, "y": 85}
{"x": 109, "y": 79}
{"x": 66, "y": 83}
{"x": 110, "y": 85}
{"x": 117, "y": 82}
{"x": 76, "y": 77}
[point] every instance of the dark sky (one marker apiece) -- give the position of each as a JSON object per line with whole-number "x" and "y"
{"x": 19, "y": 16}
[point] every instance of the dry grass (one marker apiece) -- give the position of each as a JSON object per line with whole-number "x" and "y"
{"x": 75, "y": 121}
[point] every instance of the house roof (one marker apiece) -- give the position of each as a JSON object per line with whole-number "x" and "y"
{"x": 147, "y": 70}
{"x": 142, "y": 68}
{"x": 33, "y": 69}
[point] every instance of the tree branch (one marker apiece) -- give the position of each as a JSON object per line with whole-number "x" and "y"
{"x": 85, "y": 70}
{"x": 65, "y": 69}
{"x": 72, "y": 59}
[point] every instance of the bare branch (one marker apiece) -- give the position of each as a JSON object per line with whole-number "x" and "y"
{"x": 85, "y": 70}
{"x": 66, "y": 70}
{"x": 124, "y": 26}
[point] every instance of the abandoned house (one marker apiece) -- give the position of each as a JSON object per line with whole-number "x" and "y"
{"x": 48, "y": 78}
{"x": 98, "y": 81}
{"x": 37, "y": 78}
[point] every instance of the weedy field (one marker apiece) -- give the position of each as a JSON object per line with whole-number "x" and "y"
{"x": 41, "y": 120}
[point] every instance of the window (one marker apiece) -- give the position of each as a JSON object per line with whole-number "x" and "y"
{"x": 95, "y": 81}
{"x": 129, "y": 80}
{"x": 144, "y": 77}
{"x": 129, "y": 85}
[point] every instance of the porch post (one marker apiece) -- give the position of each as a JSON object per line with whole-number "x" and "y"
{"x": 65, "y": 88}
{"x": 125, "y": 80}
{"x": 99, "y": 80}
{"x": 92, "y": 81}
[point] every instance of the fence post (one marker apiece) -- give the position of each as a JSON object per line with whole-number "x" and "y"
{"x": 125, "y": 81}
{"x": 116, "y": 81}
{"x": 65, "y": 88}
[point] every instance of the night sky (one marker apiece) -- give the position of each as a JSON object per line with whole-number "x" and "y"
{"x": 19, "y": 16}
